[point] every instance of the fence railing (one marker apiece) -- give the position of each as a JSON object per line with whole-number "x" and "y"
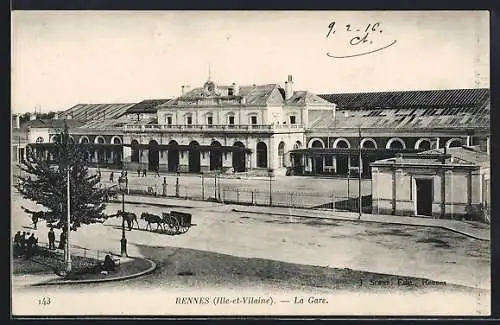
{"x": 237, "y": 195}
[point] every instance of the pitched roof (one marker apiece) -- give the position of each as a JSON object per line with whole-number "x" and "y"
{"x": 306, "y": 98}
{"x": 404, "y": 118}
{"x": 87, "y": 112}
{"x": 254, "y": 95}
{"x": 455, "y": 156}
{"x": 50, "y": 123}
{"x": 464, "y": 154}
{"x": 421, "y": 98}
{"x": 146, "y": 106}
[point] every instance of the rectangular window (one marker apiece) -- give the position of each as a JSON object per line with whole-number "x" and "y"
{"x": 189, "y": 120}
{"x": 169, "y": 120}
{"x": 231, "y": 120}
{"x": 209, "y": 120}
{"x": 253, "y": 120}
{"x": 292, "y": 119}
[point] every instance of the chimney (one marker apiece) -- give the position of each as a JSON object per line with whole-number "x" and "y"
{"x": 182, "y": 90}
{"x": 32, "y": 116}
{"x": 236, "y": 89}
{"x": 289, "y": 87}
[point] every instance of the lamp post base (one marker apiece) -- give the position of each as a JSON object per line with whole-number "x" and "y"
{"x": 123, "y": 242}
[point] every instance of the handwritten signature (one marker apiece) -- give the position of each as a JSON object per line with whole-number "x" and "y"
{"x": 367, "y": 36}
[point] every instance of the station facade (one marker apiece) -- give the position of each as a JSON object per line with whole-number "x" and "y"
{"x": 257, "y": 128}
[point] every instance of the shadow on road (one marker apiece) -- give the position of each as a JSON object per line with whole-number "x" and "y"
{"x": 181, "y": 267}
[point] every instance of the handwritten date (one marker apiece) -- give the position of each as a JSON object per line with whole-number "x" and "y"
{"x": 44, "y": 301}
{"x": 362, "y": 36}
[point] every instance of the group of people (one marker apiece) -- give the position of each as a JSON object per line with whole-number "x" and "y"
{"x": 25, "y": 244}
{"x": 143, "y": 172}
{"x": 123, "y": 176}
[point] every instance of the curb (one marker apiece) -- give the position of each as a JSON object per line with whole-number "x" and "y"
{"x": 153, "y": 204}
{"x": 337, "y": 218}
{"x": 373, "y": 221}
{"x": 150, "y": 270}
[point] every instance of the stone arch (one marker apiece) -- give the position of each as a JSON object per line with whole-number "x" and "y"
{"x": 116, "y": 140}
{"x": 339, "y": 141}
{"x": 316, "y": 140}
{"x": 99, "y": 139}
{"x": 194, "y": 157}
{"x": 261, "y": 155}
{"x": 454, "y": 142}
{"x": 297, "y": 145}
{"x": 423, "y": 144}
{"x": 215, "y": 155}
{"x": 153, "y": 155}
{"x": 239, "y": 157}
{"x": 84, "y": 139}
{"x": 135, "y": 151}
{"x": 400, "y": 141}
{"x": 281, "y": 154}
{"x": 53, "y": 139}
{"x": 368, "y": 143}
{"x": 173, "y": 156}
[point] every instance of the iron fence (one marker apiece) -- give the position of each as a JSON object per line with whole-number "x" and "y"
{"x": 247, "y": 196}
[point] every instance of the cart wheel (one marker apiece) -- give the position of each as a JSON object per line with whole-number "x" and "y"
{"x": 174, "y": 226}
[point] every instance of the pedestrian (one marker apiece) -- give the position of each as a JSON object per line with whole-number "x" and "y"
{"x": 62, "y": 239}
{"x": 34, "y": 219}
{"x": 138, "y": 172}
{"x": 31, "y": 246}
{"x": 111, "y": 176}
{"x": 164, "y": 186}
{"x": 158, "y": 171}
{"x": 17, "y": 243}
{"x": 144, "y": 172}
{"x": 52, "y": 239}
{"x": 22, "y": 242}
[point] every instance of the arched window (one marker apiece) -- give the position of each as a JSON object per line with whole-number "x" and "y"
{"x": 39, "y": 140}
{"x": 261, "y": 155}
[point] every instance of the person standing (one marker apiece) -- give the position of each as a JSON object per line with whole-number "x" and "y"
{"x": 111, "y": 176}
{"x": 164, "y": 193}
{"x": 138, "y": 172}
{"x": 62, "y": 239}
{"x": 144, "y": 172}
{"x": 52, "y": 239}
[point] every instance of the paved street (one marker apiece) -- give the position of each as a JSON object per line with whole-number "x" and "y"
{"x": 226, "y": 249}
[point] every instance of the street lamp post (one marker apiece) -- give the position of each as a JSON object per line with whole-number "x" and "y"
{"x": 270, "y": 173}
{"x": 202, "y": 186}
{"x": 215, "y": 185}
{"x": 68, "y": 224}
{"x": 177, "y": 184}
{"x": 360, "y": 171}
{"x": 123, "y": 241}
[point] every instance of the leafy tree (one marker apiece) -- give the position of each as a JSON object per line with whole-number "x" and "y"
{"x": 45, "y": 183}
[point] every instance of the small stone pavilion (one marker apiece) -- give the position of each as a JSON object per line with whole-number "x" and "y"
{"x": 442, "y": 183}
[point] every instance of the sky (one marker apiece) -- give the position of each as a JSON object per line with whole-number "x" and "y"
{"x": 60, "y": 59}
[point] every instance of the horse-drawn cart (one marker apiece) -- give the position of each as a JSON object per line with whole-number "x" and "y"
{"x": 178, "y": 222}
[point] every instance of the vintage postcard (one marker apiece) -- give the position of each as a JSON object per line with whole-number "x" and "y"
{"x": 285, "y": 163}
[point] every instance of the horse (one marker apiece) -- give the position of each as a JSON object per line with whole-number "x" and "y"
{"x": 152, "y": 218}
{"x": 129, "y": 217}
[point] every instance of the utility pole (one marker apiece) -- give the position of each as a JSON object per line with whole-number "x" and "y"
{"x": 360, "y": 171}
{"x": 68, "y": 223}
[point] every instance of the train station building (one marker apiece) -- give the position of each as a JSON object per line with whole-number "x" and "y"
{"x": 257, "y": 128}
